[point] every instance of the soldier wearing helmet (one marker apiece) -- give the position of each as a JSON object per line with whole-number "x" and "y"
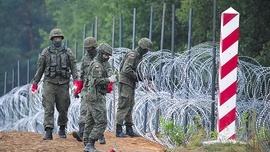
{"x": 90, "y": 45}
{"x": 126, "y": 86}
{"x": 145, "y": 44}
{"x": 56, "y": 36}
{"x": 100, "y": 74}
{"x": 104, "y": 52}
{"x": 57, "y": 63}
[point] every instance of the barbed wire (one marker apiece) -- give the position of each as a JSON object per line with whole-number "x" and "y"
{"x": 175, "y": 87}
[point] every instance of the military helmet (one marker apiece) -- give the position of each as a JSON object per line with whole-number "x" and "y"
{"x": 145, "y": 43}
{"x": 90, "y": 42}
{"x": 55, "y": 33}
{"x": 105, "y": 48}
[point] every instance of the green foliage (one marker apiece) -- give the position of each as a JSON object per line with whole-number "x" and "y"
{"x": 192, "y": 140}
{"x": 214, "y": 134}
{"x": 105, "y": 11}
{"x": 20, "y": 40}
{"x": 264, "y": 56}
{"x": 45, "y": 36}
{"x": 183, "y": 136}
{"x": 244, "y": 120}
{"x": 201, "y": 22}
{"x": 228, "y": 147}
{"x": 174, "y": 132}
{"x": 27, "y": 27}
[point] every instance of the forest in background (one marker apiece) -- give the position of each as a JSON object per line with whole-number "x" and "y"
{"x": 25, "y": 27}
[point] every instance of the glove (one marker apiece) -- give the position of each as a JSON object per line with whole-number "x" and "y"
{"x": 34, "y": 88}
{"x": 112, "y": 78}
{"x": 110, "y": 87}
{"x": 78, "y": 85}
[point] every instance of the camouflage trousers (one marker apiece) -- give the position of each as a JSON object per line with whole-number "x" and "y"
{"x": 125, "y": 104}
{"x": 96, "y": 117}
{"x": 58, "y": 95}
{"x": 83, "y": 107}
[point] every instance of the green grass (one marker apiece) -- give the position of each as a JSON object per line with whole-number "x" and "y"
{"x": 192, "y": 140}
{"x": 220, "y": 147}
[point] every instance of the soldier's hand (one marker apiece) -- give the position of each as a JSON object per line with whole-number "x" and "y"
{"x": 34, "y": 88}
{"x": 110, "y": 87}
{"x": 112, "y": 78}
{"x": 78, "y": 85}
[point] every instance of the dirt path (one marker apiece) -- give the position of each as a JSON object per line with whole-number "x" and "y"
{"x": 32, "y": 142}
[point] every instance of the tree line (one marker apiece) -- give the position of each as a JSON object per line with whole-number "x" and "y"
{"x": 25, "y": 26}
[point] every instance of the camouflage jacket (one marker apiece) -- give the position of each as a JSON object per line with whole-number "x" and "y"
{"x": 57, "y": 66}
{"x": 97, "y": 77}
{"x": 84, "y": 70}
{"x": 85, "y": 67}
{"x": 128, "y": 67}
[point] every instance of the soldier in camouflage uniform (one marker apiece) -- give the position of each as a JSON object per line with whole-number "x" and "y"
{"x": 90, "y": 44}
{"x": 98, "y": 80}
{"x": 127, "y": 82}
{"x": 57, "y": 63}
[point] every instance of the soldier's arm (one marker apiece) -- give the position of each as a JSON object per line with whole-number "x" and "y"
{"x": 97, "y": 76}
{"x": 73, "y": 65}
{"x": 108, "y": 68}
{"x": 41, "y": 64}
{"x": 129, "y": 68}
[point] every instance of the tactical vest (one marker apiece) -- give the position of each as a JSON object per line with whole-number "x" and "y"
{"x": 58, "y": 63}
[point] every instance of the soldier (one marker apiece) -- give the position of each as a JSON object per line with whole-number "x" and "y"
{"x": 57, "y": 63}
{"x": 98, "y": 80}
{"x": 90, "y": 44}
{"x": 126, "y": 87}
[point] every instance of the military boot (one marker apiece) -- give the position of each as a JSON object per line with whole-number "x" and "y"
{"x": 62, "y": 131}
{"x": 79, "y": 134}
{"x": 102, "y": 139}
{"x": 48, "y": 135}
{"x": 130, "y": 132}
{"x": 90, "y": 146}
{"x": 119, "y": 132}
{"x": 85, "y": 141}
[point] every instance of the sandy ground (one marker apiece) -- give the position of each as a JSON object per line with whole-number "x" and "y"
{"x": 32, "y": 142}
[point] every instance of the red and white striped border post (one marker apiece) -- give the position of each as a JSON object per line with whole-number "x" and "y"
{"x": 228, "y": 74}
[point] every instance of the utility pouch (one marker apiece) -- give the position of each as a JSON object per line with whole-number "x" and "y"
{"x": 64, "y": 61}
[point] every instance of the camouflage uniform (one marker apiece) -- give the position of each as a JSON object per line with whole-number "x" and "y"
{"x": 87, "y": 59}
{"x": 96, "y": 118}
{"x": 89, "y": 42}
{"x": 90, "y": 45}
{"x": 83, "y": 76}
{"x": 126, "y": 87}
{"x": 57, "y": 64}
{"x": 84, "y": 67}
